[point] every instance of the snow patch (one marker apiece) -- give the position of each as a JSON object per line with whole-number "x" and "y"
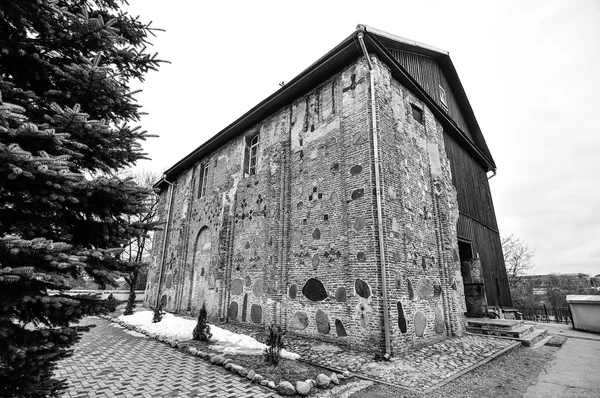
{"x": 134, "y": 333}
{"x": 173, "y": 327}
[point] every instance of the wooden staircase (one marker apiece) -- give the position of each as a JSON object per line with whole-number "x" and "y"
{"x": 512, "y": 329}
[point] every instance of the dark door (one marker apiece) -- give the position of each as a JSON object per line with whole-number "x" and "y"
{"x": 475, "y": 298}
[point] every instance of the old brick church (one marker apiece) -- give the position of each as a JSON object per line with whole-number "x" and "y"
{"x": 341, "y": 207}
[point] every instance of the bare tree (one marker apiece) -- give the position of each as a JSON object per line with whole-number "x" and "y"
{"x": 135, "y": 254}
{"x": 518, "y": 258}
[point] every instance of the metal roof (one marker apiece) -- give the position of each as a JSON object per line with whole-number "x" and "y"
{"x": 334, "y": 61}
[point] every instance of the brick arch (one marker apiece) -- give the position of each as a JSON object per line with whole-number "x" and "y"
{"x": 200, "y": 269}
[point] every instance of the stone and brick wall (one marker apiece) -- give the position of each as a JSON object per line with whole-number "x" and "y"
{"x": 420, "y": 209}
{"x": 296, "y": 243}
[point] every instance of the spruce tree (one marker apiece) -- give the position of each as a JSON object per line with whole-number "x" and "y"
{"x": 66, "y": 109}
{"x": 202, "y": 330}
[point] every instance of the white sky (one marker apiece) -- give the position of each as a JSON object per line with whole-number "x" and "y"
{"x": 529, "y": 68}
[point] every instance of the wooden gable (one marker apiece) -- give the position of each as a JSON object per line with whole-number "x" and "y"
{"x": 428, "y": 73}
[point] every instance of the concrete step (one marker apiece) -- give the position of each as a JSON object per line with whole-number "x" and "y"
{"x": 533, "y": 337}
{"x": 516, "y": 332}
{"x": 494, "y": 324}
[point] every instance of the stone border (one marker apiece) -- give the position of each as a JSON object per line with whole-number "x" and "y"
{"x": 302, "y": 388}
{"x": 472, "y": 367}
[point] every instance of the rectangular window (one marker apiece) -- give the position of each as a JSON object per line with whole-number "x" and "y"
{"x": 202, "y": 186}
{"x": 417, "y": 113}
{"x": 443, "y": 97}
{"x": 251, "y": 155}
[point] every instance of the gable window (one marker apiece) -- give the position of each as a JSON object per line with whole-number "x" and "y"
{"x": 202, "y": 186}
{"x": 443, "y": 99}
{"x": 251, "y": 155}
{"x": 417, "y": 113}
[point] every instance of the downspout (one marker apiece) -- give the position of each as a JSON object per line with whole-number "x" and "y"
{"x": 386, "y": 318}
{"x": 164, "y": 246}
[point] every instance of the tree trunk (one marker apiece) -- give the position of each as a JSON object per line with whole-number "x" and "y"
{"x": 131, "y": 300}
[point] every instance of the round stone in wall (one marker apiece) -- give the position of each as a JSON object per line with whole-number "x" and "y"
{"x": 411, "y": 294}
{"x": 233, "y": 310}
{"x": 297, "y": 236}
{"x": 339, "y": 328}
{"x": 300, "y": 205}
{"x": 315, "y": 261}
{"x": 399, "y": 280}
{"x": 292, "y": 291}
{"x": 334, "y": 232}
{"x": 163, "y": 299}
{"x": 358, "y": 193}
{"x": 237, "y": 287}
{"x": 299, "y": 320}
{"x": 437, "y": 290}
{"x": 361, "y": 314}
{"x": 424, "y": 288}
{"x": 322, "y": 322}
{"x": 439, "y": 326}
{"x": 202, "y": 272}
{"x": 354, "y": 170}
{"x": 420, "y": 322}
{"x": 316, "y": 233}
{"x": 361, "y": 256}
{"x": 169, "y": 281}
{"x": 248, "y": 282}
{"x": 397, "y": 257}
{"x": 401, "y": 318}
{"x": 359, "y": 223}
{"x": 340, "y": 294}
{"x": 392, "y": 193}
{"x": 314, "y": 290}
{"x": 333, "y": 198}
{"x": 258, "y": 288}
{"x": 423, "y": 263}
{"x": 256, "y": 313}
{"x": 362, "y": 288}
{"x": 247, "y": 245}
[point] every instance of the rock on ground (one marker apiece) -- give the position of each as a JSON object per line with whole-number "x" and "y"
{"x": 303, "y": 388}
{"x": 323, "y": 381}
{"x": 286, "y": 388}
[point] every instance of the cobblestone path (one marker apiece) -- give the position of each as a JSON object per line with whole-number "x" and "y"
{"x": 417, "y": 369}
{"x": 111, "y": 361}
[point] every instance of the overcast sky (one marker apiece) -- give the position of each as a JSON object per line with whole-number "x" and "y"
{"x": 530, "y": 70}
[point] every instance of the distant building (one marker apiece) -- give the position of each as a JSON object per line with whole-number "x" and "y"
{"x": 341, "y": 207}
{"x": 574, "y": 281}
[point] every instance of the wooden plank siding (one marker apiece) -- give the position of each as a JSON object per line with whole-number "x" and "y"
{"x": 477, "y": 221}
{"x": 486, "y": 243}
{"x": 470, "y": 180}
{"x": 428, "y": 74}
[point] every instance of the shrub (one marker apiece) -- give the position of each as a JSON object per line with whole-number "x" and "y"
{"x": 274, "y": 342}
{"x": 158, "y": 313}
{"x": 202, "y": 329}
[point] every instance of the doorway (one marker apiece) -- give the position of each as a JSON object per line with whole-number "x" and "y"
{"x": 475, "y": 299}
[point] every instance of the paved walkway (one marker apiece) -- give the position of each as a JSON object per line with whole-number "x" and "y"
{"x": 111, "y": 361}
{"x": 574, "y": 372}
{"x": 561, "y": 329}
